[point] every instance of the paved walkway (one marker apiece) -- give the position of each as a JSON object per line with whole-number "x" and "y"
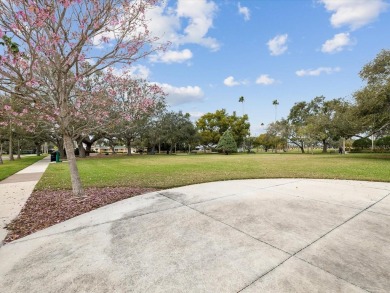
{"x": 16, "y": 189}
{"x": 274, "y": 235}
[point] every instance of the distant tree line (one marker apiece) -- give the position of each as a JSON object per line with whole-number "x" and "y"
{"x": 316, "y": 123}
{"x": 322, "y": 122}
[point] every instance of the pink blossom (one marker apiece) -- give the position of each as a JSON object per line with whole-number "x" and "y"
{"x": 66, "y": 3}
{"x": 22, "y": 15}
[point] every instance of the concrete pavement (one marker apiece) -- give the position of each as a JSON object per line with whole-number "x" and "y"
{"x": 16, "y": 189}
{"x": 274, "y": 235}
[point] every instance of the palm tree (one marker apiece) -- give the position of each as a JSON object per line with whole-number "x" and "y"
{"x": 241, "y": 100}
{"x": 275, "y": 103}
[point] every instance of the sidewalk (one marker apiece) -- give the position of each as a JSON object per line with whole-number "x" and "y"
{"x": 16, "y": 189}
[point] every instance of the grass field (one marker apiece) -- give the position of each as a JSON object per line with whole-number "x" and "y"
{"x": 163, "y": 171}
{"x": 11, "y": 167}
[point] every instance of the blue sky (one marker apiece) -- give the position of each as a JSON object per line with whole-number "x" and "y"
{"x": 289, "y": 50}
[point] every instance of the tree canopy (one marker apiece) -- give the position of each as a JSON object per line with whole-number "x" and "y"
{"x": 373, "y": 101}
{"x": 211, "y": 126}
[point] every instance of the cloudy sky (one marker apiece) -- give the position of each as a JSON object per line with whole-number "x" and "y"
{"x": 289, "y": 50}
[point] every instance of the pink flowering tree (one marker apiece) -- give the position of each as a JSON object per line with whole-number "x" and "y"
{"x": 136, "y": 102}
{"x": 6, "y": 124}
{"x": 91, "y": 111}
{"x": 14, "y": 119}
{"x": 60, "y": 44}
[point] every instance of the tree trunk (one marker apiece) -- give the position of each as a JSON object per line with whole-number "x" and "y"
{"x": 112, "y": 146}
{"x": 77, "y": 187}
{"x": 81, "y": 149}
{"x": 343, "y": 145}
{"x": 88, "y": 146}
{"x": 324, "y": 146}
{"x": 18, "y": 157}
{"x": 10, "y": 149}
{"x": 60, "y": 145}
{"x": 89, "y": 142}
{"x": 302, "y": 147}
{"x": 1, "y": 153}
{"x": 38, "y": 148}
{"x": 128, "y": 144}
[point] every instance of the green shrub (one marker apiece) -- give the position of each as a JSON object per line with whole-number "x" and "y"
{"x": 363, "y": 143}
{"x": 383, "y": 142}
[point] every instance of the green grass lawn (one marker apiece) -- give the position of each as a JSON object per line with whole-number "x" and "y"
{"x": 163, "y": 171}
{"x": 11, "y": 167}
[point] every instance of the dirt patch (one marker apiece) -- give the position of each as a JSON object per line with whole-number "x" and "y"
{"x": 46, "y": 208}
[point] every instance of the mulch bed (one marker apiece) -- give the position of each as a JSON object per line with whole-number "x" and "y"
{"x": 46, "y": 208}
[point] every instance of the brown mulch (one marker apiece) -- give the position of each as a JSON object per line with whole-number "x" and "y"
{"x": 46, "y": 208}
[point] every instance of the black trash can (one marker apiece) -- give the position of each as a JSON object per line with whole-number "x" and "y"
{"x": 53, "y": 157}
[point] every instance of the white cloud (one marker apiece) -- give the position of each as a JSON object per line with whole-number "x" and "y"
{"x": 163, "y": 23}
{"x": 244, "y": 11}
{"x": 354, "y": 13}
{"x": 229, "y": 81}
{"x": 167, "y": 23}
{"x": 186, "y": 23}
{"x": 195, "y": 115}
{"x": 172, "y": 56}
{"x": 139, "y": 71}
{"x": 265, "y": 80}
{"x": 181, "y": 95}
{"x": 317, "y": 72}
{"x": 277, "y": 45}
{"x": 337, "y": 44}
{"x": 200, "y": 14}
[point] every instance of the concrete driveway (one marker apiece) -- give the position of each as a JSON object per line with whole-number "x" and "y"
{"x": 281, "y": 235}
